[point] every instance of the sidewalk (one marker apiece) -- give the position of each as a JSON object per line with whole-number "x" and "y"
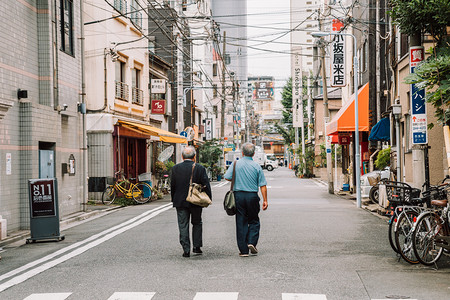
{"x": 365, "y": 202}
{"x": 92, "y": 210}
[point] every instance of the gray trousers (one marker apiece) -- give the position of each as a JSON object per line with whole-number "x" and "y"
{"x": 194, "y": 213}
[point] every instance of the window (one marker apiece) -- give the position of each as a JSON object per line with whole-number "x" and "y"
{"x": 214, "y": 90}
{"x": 215, "y": 69}
{"x": 137, "y": 93}
{"x": 120, "y": 71}
{"x": 67, "y": 26}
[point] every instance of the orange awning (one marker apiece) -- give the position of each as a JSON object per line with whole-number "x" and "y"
{"x": 344, "y": 121}
{"x": 164, "y": 136}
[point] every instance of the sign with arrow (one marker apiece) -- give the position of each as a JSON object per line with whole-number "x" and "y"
{"x": 418, "y": 107}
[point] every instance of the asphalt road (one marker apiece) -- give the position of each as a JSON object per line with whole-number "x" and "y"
{"x": 312, "y": 246}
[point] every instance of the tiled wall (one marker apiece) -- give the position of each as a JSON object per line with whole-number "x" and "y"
{"x": 28, "y": 59}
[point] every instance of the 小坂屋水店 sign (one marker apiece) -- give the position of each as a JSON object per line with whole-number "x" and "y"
{"x": 158, "y": 86}
{"x": 158, "y": 107}
{"x": 338, "y": 74}
{"x": 418, "y": 106}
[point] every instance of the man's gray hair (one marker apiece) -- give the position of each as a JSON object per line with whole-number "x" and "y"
{"x": 248, "y": 149}
{"x": 188, "y": 152}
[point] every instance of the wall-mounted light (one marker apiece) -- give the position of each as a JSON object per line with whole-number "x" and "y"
{"x": 22, "y": 94}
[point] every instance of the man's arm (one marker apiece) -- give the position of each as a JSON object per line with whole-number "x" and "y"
{"x": 264, "y": 195}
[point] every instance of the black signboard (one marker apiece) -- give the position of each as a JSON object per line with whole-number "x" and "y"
{"x": 42, "y": 198}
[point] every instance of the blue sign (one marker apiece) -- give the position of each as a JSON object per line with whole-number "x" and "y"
{"x": 183, "y": 133}
{"x": 328, "y": 150}
{"x": 418, "y": 105}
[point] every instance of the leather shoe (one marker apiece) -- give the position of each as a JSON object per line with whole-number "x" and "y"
{"x": 197, "y": 250}
{"x": 186, "y": 254}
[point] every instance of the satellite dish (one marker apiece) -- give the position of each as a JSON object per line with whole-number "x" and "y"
{"x": 190, "y": 133}
{"x": 163, "y": 156}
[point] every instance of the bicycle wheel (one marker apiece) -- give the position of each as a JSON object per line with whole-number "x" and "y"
{"x": 109, "y": 195}
{"x": 403, "y": 236}
{"x": 424, "y": 243}
{"x": 392, "y": 223}
{"x": 141, "y": 192}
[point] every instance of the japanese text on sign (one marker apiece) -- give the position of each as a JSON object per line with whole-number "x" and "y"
{"x": 418, "y": 107}
{"x": 42, "y": 195}
{"x": 338, "y": 74}
{"x": 158, "y": 86}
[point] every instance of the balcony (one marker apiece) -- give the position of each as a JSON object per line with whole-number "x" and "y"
{"x": 121, "y": 91}
{"x": 136, "y": 17}
{"x": 137, "y": 96}
{"x": 120, "y": 6}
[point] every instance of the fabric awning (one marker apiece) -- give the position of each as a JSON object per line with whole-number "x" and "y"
{"x": 381, "y": 131}
{"x": 344, "y": 121}
{"x": 164, "y": 135}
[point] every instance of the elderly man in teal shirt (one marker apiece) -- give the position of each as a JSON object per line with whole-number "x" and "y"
{"x": 249, "y": 179}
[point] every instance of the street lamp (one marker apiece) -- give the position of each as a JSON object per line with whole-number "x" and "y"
{"x": 355, "y": 83}
{"x": 397, "y": 111}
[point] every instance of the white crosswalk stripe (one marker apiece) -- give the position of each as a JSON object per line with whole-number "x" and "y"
{"x": 198, "y": 296}
{"x": 48, "y": 296}
{"x": 131, "y": 296}
{"x": 290, "y": 296}
{"x": 216, "y": 296}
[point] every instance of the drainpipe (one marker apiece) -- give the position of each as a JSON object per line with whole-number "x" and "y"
{"x": 105, "y": 72}
{"x": 83, "y": 114}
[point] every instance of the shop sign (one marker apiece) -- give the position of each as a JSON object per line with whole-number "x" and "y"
{"x": 208, "y": 129}
{"x": 158, "y": 107}
{"x": 418, "y": 106}
{"x": 158, "y": 86}
{"x": 338, "y": 72}
{"x": 344, "y": 140}
{"x": 42, "y": 198}
{"x": 297, "y": 105}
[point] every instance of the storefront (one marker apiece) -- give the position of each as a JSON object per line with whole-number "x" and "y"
{"x": 342, "y": 128}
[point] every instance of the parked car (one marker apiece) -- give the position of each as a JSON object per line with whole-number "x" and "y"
{"x": 369, "y": 182}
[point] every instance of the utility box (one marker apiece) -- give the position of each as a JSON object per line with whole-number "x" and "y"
{"x": 44, "y": 212}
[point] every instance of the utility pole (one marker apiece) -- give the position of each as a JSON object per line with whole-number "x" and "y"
{"x": 222, "y": 111}
{"x": 180, "y": 100}
{"x": 326, "y": 115}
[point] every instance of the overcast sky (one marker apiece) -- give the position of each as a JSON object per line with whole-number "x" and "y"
{"x": 274, "y": 14}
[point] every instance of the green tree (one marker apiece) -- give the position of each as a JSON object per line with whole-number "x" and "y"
{"x": 286, "y": 101}
{"x": 210, "y": 153}
{"x": 431, "y": 17}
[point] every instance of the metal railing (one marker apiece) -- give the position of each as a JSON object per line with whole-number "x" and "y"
{"x": 137, "y": 96}
{"x": 121, "y": 6}
{"x": 121, "y": 91}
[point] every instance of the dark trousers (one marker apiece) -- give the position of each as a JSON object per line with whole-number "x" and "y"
{"x": 195, "y": 214}
{"x": 247, "y": 219}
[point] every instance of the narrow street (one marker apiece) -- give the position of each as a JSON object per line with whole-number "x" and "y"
{"x": 313, "y": 246}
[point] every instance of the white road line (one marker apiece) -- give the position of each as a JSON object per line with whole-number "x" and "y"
{"x": 216, "y": 296}
{"x": 221, "y": 184}
{"x": 68, "y": 248}
{"x": 48, "y": 296}
{"x": 21, "y": 278}
{"x": 319, "y": 183}
{"x": 288, "y": 296}
{"x": 131, "y": 296}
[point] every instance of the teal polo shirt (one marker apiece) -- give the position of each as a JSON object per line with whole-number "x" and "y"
{"x": 249, "y": 175}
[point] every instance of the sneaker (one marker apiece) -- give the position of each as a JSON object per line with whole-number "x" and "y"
{"x": 252, "y": 249}
{"x": 197, "y": 251}
{"x": 186, "y": 254}
{"x": 243, "y": 254}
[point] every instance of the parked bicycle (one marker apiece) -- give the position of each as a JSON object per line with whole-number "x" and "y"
{"x": 141, "y": 192}
{"x": 164, "y": 184}
{"x": 431, "y": 233}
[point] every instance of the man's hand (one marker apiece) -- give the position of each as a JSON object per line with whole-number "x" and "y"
{"x": 265, "y": 205}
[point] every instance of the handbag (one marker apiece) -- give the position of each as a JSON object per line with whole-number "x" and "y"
{"x": 229, "y": 203}
{"x": 197, "y": 194}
